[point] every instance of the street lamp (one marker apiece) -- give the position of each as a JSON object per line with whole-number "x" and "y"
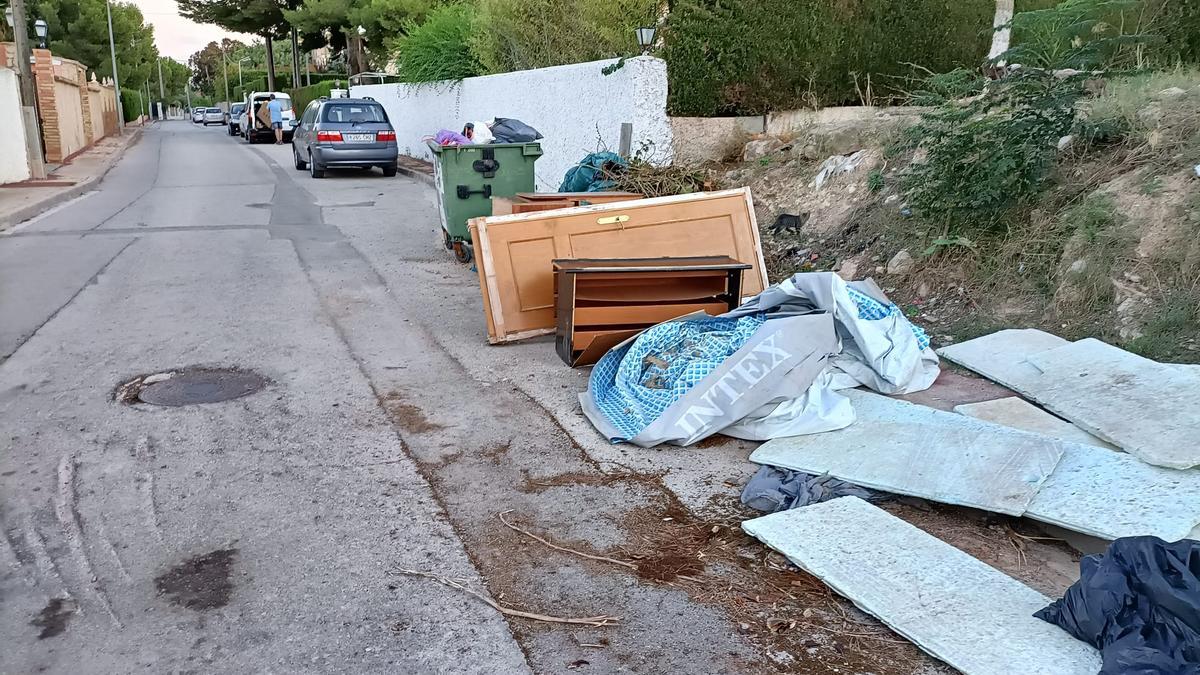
{"x": 645, "y": 38}
{"x": 42, "y": 29}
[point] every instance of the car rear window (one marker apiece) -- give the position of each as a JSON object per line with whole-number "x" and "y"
{"x": 214, "y": 110}
{"x": 354, "y": 112}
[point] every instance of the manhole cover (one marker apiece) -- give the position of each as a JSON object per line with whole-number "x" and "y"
{"x": 190, "y": 387}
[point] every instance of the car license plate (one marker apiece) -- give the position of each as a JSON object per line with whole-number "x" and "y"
{"x": 360, "y": 138}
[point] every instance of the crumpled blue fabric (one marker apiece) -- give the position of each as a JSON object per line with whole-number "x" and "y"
{"x": 774, "y": 489}
{"x": 634, "y": 384}
{"x": 590, "y": 175}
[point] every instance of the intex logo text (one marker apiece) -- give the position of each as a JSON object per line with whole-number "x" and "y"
{"x": 748, "y": 371}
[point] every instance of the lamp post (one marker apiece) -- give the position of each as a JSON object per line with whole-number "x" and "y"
{"x": 42, "y": 29}
{"x": 645, "y": 38}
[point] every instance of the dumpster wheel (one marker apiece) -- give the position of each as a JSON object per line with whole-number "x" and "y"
{"x": 462, "y": 252}
{"x": 447, "y": 240}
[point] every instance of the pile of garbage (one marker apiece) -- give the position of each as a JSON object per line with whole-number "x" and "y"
{"x": 772, "y": 367}
{"x": 498, "y": 130}
{"x": 668, "y": 298}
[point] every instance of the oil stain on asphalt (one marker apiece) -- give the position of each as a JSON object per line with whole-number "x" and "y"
{"x": 200, "y": 583}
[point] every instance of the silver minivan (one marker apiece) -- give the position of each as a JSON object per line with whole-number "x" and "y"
{"x": 344, "y": 133}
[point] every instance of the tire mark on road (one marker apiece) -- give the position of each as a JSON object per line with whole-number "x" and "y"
{"x": 46, "y": 567}
{"x": 143, "y": 452}
{"x": 66, "y": 510}
{"x": 14, "y": 558}
{"x": 112, "y": 550}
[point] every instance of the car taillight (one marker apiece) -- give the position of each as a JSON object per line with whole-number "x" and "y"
{"x": 385, "y": 136}
{"x": 329, "y": 136}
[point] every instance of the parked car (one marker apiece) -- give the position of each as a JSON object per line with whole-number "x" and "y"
{"x": 344, "y": 133}
{"x": 253, "y": 130}
{"x": 197, "y": 115}
{"x": 214, "y": 116}
{"x": 235, "y": 118}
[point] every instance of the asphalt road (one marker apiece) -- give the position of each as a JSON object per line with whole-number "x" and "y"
{"x": 264, "y": 534}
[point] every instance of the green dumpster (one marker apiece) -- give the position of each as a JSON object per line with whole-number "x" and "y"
{"x": 468, "y": 176}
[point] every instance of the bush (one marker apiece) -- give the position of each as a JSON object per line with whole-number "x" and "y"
{"x": 133, "y": 103}
{"x": 994, "y": 151}
{"x": 302, "y": 96}
{"x": 437, "y": 49}
{"x": 730, "y": 57}
{"x": 521, "y": 34}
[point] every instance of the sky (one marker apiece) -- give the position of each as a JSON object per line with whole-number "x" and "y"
{"x": 176, "y": 36}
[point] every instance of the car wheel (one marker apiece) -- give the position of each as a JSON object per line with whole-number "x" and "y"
{"x": 300, "y": 163}
{"x": 389, "y": 170}
{"x": 313, "y": 169}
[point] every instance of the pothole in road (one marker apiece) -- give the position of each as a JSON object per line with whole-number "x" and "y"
{"x": 190, "y": 386}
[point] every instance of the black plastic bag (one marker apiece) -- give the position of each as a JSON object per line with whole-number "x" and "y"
{"x": 507, "y": 130}
{"x": 1139, "y": 603}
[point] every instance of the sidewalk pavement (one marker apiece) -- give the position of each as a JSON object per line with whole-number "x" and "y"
{"x": 415, "y": 168}
{"x": 24, "y": 200}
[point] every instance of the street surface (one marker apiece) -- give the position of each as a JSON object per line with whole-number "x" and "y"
{"x": 265, "y": 533}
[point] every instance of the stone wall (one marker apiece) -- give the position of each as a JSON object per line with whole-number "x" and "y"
{"x": 74, "y": 112}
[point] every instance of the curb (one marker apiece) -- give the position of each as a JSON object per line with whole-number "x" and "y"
{"x": 85, "y": 185}
{"x": 419, "y": 176}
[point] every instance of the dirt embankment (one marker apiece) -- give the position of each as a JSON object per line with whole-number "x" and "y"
{"x": 1110, "y": 249}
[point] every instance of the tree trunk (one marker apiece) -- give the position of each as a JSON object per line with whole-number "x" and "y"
{"x": 1001, "y": 36}
{"x": 296, "y": 82}
{"x": 270, "y": 64}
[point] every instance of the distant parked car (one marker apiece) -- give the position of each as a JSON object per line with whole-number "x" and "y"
{"x": 344, "y": 133}
{"x": 197, "y": 115}
{"x": 235, "y": 118}
{"x": 214, "y": 116}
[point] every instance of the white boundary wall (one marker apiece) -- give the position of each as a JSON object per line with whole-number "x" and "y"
{"x": 14, "y": 165}
{"x": 576, "y": 107}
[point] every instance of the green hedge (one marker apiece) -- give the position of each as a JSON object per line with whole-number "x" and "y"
{"x": 729, "y": 57}
{"x": 283, "y": 82}
{"x": 302, "y": 96}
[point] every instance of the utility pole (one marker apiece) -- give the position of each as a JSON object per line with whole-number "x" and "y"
{"x": 225, "y": 71}
{"x": 148, "y": 100}
{"x": 307, "y": 71}
{"x": 187, "y": 91}
{"x": 161, "y": 93}
{"x": 112, "y": 48}
{"x": 33, "y": 131}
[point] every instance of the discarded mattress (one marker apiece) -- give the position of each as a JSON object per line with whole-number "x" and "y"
{"x": 686, "y": 379}
{"x": 862, "y": 337}
{"x": 1138, "y": 603}
{"x": 514, "y": 253}
{"x": 1142, "y": 406}
{"x": 880, "y": 347}
{"x": 914, "y": 450}
{"x": 960, "y": 610}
